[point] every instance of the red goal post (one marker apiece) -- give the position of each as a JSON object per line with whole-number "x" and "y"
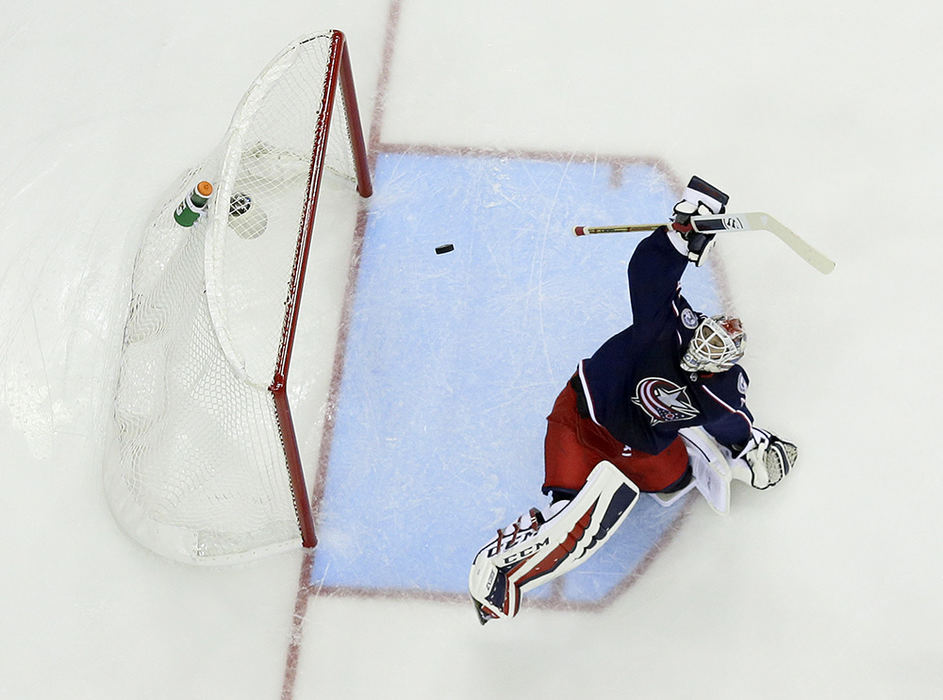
{"x": 203, "y": 463}
{"x": 338, "y": 72}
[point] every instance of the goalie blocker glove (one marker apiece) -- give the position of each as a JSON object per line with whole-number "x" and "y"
{"x": 765, "y": 460}
{"x": 700, "y": 199}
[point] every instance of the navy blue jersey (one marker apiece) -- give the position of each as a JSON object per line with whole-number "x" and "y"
{"x": 634, "y": 385}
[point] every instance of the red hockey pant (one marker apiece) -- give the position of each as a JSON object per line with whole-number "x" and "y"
{"x": 574, "y": 445}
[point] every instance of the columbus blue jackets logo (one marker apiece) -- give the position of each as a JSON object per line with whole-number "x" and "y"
{"x": 663, "y": 401}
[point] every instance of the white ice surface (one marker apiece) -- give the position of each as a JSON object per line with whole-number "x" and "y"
{"x": 825, "y": 114}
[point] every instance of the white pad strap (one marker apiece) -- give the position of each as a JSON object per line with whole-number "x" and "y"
{"x": 534, "y": 550}
{"x": 666, "y": 500}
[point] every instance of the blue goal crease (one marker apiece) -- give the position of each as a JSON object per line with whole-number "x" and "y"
{"x": 453, "y": 361}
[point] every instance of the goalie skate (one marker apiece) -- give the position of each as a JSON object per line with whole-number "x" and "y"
{"x": 536, "y": 549}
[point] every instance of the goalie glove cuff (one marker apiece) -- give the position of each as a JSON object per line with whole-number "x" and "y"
{"x": 699, "y": 244}
{"x": 690, "y": 243}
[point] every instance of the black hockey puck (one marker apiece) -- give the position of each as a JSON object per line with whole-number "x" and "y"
{"x": 447, "y": 248}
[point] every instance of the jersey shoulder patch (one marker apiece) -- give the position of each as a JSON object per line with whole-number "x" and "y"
{"x": 743, "y": 383}
{"x": 689, "y": 318}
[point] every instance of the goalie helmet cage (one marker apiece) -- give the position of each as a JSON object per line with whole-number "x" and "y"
{"x": 203, "y": 463}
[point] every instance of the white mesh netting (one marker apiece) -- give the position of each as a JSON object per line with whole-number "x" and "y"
{"x": 196, "y": 470}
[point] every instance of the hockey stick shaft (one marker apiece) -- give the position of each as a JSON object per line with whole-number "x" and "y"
{"x": 751, "y": 221}
{"x": 590, "y": 230}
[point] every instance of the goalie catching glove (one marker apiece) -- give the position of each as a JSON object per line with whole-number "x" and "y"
{"x": 765, "y": 460}
{"x": 700, "y": 199}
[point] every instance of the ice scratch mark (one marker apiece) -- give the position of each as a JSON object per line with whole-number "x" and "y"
{"x": 543, "y": 246}
{"x": 45, "y": 371}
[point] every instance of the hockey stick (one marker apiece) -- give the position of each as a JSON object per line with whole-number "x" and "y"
{"x": 589, "y": 230}
{"x": 751, "y": 221}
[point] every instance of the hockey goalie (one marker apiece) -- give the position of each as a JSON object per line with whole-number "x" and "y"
{"x": 659, "y": 408}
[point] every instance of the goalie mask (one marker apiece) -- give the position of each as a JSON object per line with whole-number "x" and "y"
{"x": 717, "y": 344}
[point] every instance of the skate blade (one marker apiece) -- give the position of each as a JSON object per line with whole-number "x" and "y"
{"x": 484, "y": 615}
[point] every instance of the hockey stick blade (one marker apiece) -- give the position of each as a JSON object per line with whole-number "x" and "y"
{"x": 761, "y": 221}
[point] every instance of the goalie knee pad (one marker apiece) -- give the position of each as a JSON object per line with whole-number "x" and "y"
{"x": 536, "y": 549}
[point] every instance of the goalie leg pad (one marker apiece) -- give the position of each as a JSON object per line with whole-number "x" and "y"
{"x": 710, "y": 466}
{"x": 534, "y": 550}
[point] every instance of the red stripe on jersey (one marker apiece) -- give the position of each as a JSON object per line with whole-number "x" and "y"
{"x": 727, "y": 406}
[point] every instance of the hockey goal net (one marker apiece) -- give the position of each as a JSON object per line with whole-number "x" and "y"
{"x": 204, "y": 463}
